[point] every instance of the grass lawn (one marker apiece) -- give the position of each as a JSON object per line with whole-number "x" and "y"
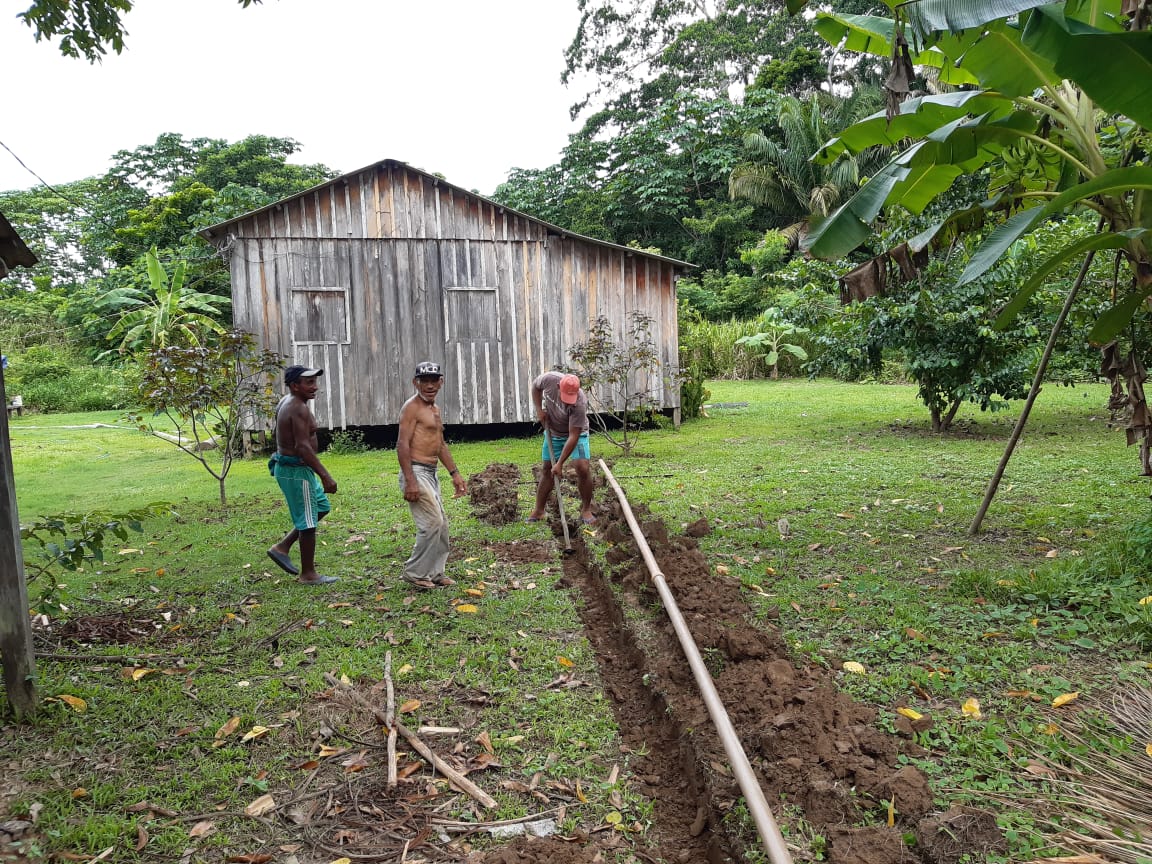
{"x": 837, "y": 508}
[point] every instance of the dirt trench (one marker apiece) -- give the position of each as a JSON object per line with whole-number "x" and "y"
{"x": 810, "y": 745}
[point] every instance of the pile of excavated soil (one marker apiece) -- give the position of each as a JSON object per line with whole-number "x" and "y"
{"x": 809, "y": 743}
{"x": 493, "y": 493}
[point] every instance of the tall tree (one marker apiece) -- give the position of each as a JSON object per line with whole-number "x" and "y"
{"x": 86, "y": 28}
{"x": 780, "y": 173}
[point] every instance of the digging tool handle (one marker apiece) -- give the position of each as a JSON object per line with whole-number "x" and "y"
{"x": 559, "y": 499}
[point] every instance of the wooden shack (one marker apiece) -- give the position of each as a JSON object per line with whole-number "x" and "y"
{"x": 374, "y": 271}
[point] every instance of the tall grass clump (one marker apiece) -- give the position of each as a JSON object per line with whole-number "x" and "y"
{"x": 710, "y": 347}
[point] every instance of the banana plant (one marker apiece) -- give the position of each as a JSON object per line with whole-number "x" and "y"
{"x": 1061, "y": 87}
{"x": 167, "y": 313}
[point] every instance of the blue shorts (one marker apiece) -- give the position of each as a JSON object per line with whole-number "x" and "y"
{"x": 307, "y": 503}
{"x": 582, "y": 451}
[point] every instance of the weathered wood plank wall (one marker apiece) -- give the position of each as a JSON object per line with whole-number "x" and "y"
{"x": 372, "y": 273}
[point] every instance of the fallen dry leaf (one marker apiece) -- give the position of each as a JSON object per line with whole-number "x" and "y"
{"x": 485, "y": 741}
{"x": 254, "y": 733}
{"x": 721, "y": 570}
{"x": 79, "y": 792}
{"x": 251, "y": 858}
{"x": 910, "y": 713}
{"x": 854, "y": 667}
{"x": 971, "y": 708}
{"x": 141, "y": 836}
{"x": 1064, "y": 699}
{"x": 74, "y": 702}
{"x": 262, "y": 805}
{"x": 224, "y": 731}
{"x": 565, "y": 662}
{"x": 409, "y": 706}
{"x": 202, "y": 829}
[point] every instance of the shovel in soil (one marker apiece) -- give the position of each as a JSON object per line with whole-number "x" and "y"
{"x": 568, "y": 550}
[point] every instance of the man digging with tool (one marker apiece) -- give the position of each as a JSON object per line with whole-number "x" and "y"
{"x": 303, "y": 480}
{"x": 562, "y": 409}
{"x": 420, "y": 448}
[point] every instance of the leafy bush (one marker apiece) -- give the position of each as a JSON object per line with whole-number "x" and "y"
{"x": 68, "y": 540}
{"x": 51, "y": 384}
{"x": 347, "y": 442}
{"x": 693, "y": 394}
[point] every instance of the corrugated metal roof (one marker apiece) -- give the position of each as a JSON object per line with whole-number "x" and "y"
{"x": 212, "y": 230}
{"x": 13, "y": 252}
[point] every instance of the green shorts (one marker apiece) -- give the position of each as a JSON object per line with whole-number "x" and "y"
{"x": 304, "y": 493}
{"x": 582, "y": 451}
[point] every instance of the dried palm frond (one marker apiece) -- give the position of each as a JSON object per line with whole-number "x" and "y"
{"x": 1099, "y": 800}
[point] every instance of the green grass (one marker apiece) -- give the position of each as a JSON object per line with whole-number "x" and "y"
{"x": 876, "y": 551}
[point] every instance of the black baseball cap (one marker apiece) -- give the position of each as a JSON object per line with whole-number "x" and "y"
{"x": 295, "y": 373}
{"x": 428, "y": 369}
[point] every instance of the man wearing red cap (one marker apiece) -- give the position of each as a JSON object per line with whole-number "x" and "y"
{"x": 562, "y": 409}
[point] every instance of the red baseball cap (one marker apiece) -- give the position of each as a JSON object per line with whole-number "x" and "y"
{"x": 569, "y": 389}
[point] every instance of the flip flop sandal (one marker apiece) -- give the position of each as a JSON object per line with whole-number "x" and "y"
{"x": 319, "y": 580}
{"x": 588, "y": 520}
{"x": 443, "y": 581}
{"x": 283, "y": 562}
{"x": 531, "y": 519}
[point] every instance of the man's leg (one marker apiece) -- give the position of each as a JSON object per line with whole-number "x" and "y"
{"x": 308, "y": 555}
{"x": 430, "y": 550}
{"x": 543, "y": 490}
{"x": 584, "y": 484}
{"x": 287, "y": 541}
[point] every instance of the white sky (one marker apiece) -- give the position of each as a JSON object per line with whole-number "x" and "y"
{"x": 465, "y": 88}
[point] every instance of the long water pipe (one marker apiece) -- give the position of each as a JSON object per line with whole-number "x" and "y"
{"x": 766, "y": 825}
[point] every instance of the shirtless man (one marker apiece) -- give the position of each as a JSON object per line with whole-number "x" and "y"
{"x": 420, "y": 449}
{"x": 303, "y": 480}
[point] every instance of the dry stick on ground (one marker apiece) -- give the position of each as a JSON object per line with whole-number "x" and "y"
{"x": 389, "y": 720}
{"x": 458, "y": 780}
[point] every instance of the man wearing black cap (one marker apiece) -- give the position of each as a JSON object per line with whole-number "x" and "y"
{"x": 303, "y": 480}
{"x": 420, "y": 448}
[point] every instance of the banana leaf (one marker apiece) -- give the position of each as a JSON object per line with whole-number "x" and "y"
{"x": 927, "y": 16}
{"x": 1118, "y": 181}
{"x": 872, "y": 34}
{"x": 1112, "y": 68}
{"x": 917, "y": 118}
{"x": 1106, "y": 240}
{"x": 1115, "y": 319}
{"x": 1002, "y": 63}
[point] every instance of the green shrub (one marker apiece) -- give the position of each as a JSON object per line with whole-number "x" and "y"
{"x": 693, "y": 394}
{"x": 346, "y": 442}
{"x": 83, "y": 388}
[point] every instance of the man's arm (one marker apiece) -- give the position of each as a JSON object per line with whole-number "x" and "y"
{"x": 538, "y": 401}
{"x": 569, "y": 445}
{"x": 458, "y": 483}
{"x": 404, "y": 450}
{"x": 302, "y": 433}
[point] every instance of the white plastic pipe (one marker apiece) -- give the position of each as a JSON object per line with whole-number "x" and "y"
{"x": 766, "y": 825}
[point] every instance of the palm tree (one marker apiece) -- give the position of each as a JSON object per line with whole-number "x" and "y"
{"x": 780, "y": 174}
{"x": 167, "y": 313}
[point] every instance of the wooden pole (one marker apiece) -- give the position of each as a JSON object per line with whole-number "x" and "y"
{"x": 15, "y": 630}
{"x": 455, "y": 777}
{"x": 1037, "y": 380}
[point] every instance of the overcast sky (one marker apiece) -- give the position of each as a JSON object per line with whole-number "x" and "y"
{"x": 463, "y": 88}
